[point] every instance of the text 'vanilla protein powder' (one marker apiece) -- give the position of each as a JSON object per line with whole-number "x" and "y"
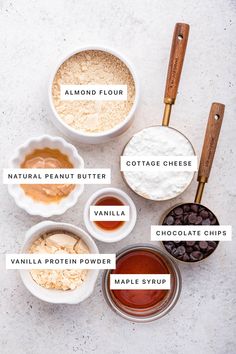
{"x": 92, "y": 68}
{"x": 158, "y": 184}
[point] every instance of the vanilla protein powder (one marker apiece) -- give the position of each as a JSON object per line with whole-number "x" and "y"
{"x": 59, "y": 243}
{"x": 161, "y": 184}
{"x": 93, "y": 67}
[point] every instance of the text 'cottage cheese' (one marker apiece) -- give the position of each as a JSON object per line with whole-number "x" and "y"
{"x": 59, "y": 243}
{"x": 161, "y": 184}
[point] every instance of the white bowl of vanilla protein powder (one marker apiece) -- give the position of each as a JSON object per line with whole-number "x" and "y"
{"x": 158, "y": 184}
{"x": 93, "y": 94}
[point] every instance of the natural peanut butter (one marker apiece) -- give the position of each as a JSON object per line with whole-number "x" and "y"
{"x": 47, "y": 158}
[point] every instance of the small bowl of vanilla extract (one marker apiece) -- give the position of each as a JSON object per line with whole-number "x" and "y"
{"x": 110, "y": 215}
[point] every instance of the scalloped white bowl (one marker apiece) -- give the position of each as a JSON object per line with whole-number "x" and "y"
{"x": 30, "y": 205}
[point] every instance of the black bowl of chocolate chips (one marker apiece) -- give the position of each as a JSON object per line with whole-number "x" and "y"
{"x": 190, "y": 214}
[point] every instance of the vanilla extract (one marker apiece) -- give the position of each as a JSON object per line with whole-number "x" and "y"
{"x": 109, "y": 225}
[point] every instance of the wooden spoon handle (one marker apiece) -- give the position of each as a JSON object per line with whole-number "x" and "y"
{"x": 210, "y": 142}
{"x": 179, "y": 43}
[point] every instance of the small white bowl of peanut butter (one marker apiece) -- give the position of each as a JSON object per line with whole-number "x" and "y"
{"x": 46, "y": 199}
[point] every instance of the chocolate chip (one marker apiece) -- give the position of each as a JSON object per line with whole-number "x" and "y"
{"x": 186, "y": 208}
{"x": 186, "y": 257}
{"x": 178, "y": 211}
{"x": 170, "y": 220}
{"x": 206, "y": 222}
{"x": 211, "y": 216}
{"x": 212, "y": 244}
{"x": 213, "y": 221}
{"x": 192, "y": 218}
{"x": 180, "y": 258}
{"x": 179, "y": 216}
{"x": 194, "y": 208}
{"x": 209, "y": 250}
{"x": 196, "y": 256}
{"x": 170, "y": 243}
{"x": 180, "y": 250}
{"x": 199, "y": 220}
{"x": 190, "y": 243}
{"x": 186, "y": 219}
{"x": 204, "y": 214}
{"x": 203, "y": 245}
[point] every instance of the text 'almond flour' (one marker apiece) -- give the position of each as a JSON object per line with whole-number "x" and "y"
{"x": 93, "y": 67}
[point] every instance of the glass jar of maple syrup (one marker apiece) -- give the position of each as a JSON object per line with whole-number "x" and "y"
{"x": 143, "y": 305}
{"x": 107, "y": 229}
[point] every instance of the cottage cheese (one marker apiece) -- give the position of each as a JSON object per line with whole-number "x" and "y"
{"x": 158, "y": 141}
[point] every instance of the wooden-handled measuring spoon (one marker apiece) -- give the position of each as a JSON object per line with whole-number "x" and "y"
{"x": 177, "y": 54}
{"x": 177, "y": 142}
{"x": 196, "y": 213}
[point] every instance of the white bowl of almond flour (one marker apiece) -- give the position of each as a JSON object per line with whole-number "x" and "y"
{"x": 93, "y": 94}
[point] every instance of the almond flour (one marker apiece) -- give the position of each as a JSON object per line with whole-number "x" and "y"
{"x": 59, "y": 243}
{"x": 94, "y": 67}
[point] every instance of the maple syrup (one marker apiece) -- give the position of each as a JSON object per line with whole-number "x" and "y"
{"x": 140, "y": 262}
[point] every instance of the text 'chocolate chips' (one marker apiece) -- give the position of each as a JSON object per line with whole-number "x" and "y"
{"x": 190, "y": 214}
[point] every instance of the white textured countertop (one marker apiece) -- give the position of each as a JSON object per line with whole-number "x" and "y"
{"x": 35, "y": 35}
